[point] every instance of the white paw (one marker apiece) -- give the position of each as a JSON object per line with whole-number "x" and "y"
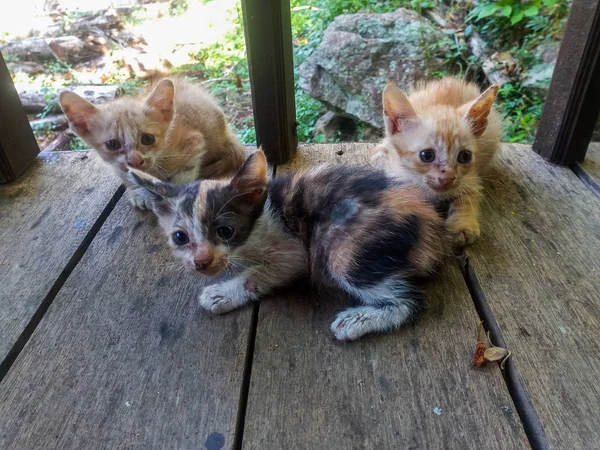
{"x": 351, "y": 324}
{"x": 215, "y": 300}
{"x": 139, "y": 201}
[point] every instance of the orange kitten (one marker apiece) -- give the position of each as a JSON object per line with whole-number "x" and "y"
{"x": 442, "y": 138}
{"x": 175, "y": 132}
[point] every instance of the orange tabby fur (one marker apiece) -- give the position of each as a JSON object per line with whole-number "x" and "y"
{"x": 447, "y": 116}
{"x": 190, "y": 136}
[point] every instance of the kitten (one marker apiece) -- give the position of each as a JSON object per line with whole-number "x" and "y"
{"x": 443, "y": 138}
{"x": 176, "y": 132}
{"x": 352, "y": 228}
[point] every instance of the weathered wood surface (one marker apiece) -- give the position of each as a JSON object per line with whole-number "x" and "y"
{"x": 308, "y": 391}
{"x": 44, "y": 217}
{"x": 591, "y": 164}
{"x": 538, "y": 263}
{"x": 125, "y": 358}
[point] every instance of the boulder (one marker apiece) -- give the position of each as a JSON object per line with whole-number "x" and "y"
{"x": 537, "y": 80}
{"x": 32, "y": 49}
{"x": 30, "y": 68}
{"x": 335, "y": 126}
{"x": 360, "y": 51}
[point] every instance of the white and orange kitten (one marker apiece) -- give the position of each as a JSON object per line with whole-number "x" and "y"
{"x": 174, "y": 132}
{"x": 443, "y": 138}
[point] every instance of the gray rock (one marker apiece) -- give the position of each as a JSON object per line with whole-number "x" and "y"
{"x": 537, "y": 80}
{"x": 547, "y": 52}
{"x": 32, "y": 49}
{"x": 30, "y": 68}
{"x": 333, "y": 125}
{"x": 360, "y": 51}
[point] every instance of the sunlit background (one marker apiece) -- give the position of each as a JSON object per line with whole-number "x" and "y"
{"x": 114, "y": 47}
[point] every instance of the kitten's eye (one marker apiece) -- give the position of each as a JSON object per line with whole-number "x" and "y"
{"x": 225, "y": 233}
{"x": 113, "y": 144}
{"x": 180, "y": 238}
{"x": 427, "y": 155}
{"x": 147, "y": 139}
{"x": 465, "y": 157}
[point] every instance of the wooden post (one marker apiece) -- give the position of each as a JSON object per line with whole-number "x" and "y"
{"x": 268, "y": 35}
{"x": 18, "y": 147}
{"x": 573, "y": 102}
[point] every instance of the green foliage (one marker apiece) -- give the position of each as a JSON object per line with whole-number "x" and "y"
{"x": 516, "y": 24}
{"x": 521, "y": 113}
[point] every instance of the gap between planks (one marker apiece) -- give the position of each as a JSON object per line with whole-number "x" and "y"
{"x": 529, "y": 418}
{"x": 37, "y": 317}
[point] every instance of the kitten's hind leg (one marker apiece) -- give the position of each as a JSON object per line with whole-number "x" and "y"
{"x": 388, "y": 306}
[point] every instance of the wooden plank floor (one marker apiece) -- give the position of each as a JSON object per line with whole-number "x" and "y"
{"x": 310, "y": 392}
{"x": 538, "y": 261}
{"x": 44, "y": 217}
{"x": 125, "y": 358}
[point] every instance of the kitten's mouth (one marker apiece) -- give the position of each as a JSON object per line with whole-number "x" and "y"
{"x": 441, "y": 187}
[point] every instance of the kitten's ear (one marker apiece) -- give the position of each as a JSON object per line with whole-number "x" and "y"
{"x": 78, "y": 111}
{"x": 251, "y": 179}
{"x": 478, "y": 111}
{"x": 159, "y": 194}
{"x": 161, "y": 100}
{"x": 398, "y": 112}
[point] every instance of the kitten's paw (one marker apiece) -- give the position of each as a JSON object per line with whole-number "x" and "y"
{"x": 351, "y": 324}
{"x": 214, "y": 300}
{"x": 139, "y": 201}
{"x": 463, "y": 233}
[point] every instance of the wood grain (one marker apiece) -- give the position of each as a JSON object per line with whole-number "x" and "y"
{"x": 44, "y": 217}
{"x": 125, "y": 358}
{"x": 310, "y": 392}
{"x": 538, "y": 263}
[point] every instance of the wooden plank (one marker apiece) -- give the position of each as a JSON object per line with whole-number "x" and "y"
{"x": 125, "y": 357}
{"x": 309, "y": 392}
{"x": 573, "y": 101}
{"x": 18, "y": 147}
{"x": 537, "y": 261}
{"x": 44, "y": 217}
{"x": 268, "y": 36}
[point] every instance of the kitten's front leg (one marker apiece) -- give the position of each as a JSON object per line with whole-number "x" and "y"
{"x": 253, "y": 284}
{"x": 138, "y": 199}
{"x": 223, "y": 297}
{"x": 463, "y": 221}
{"x": 386, "y": 158}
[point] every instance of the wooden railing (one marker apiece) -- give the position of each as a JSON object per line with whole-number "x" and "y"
{"x": 564, "y": 131}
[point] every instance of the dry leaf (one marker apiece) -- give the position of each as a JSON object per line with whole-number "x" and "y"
{"x": 478, "y": 358}
{"x": 495, "y": 354}
{"x": 485, "y": 351}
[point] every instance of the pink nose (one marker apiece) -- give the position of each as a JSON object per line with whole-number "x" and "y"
{"x": 203, "y": 262}
{"x": 446, "y": 181}
{"x": 134, "y": 159}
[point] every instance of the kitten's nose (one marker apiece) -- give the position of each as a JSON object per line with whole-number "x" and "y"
{"x": 203, "y": 262}
{"x": 134, "y": 159}
{"x": 446, "y": 181}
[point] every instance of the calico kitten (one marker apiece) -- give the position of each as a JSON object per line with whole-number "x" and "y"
{"x": 442, "y": 138}
{"x": 352, "y": 228}
{"x": 176, "y": 132}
